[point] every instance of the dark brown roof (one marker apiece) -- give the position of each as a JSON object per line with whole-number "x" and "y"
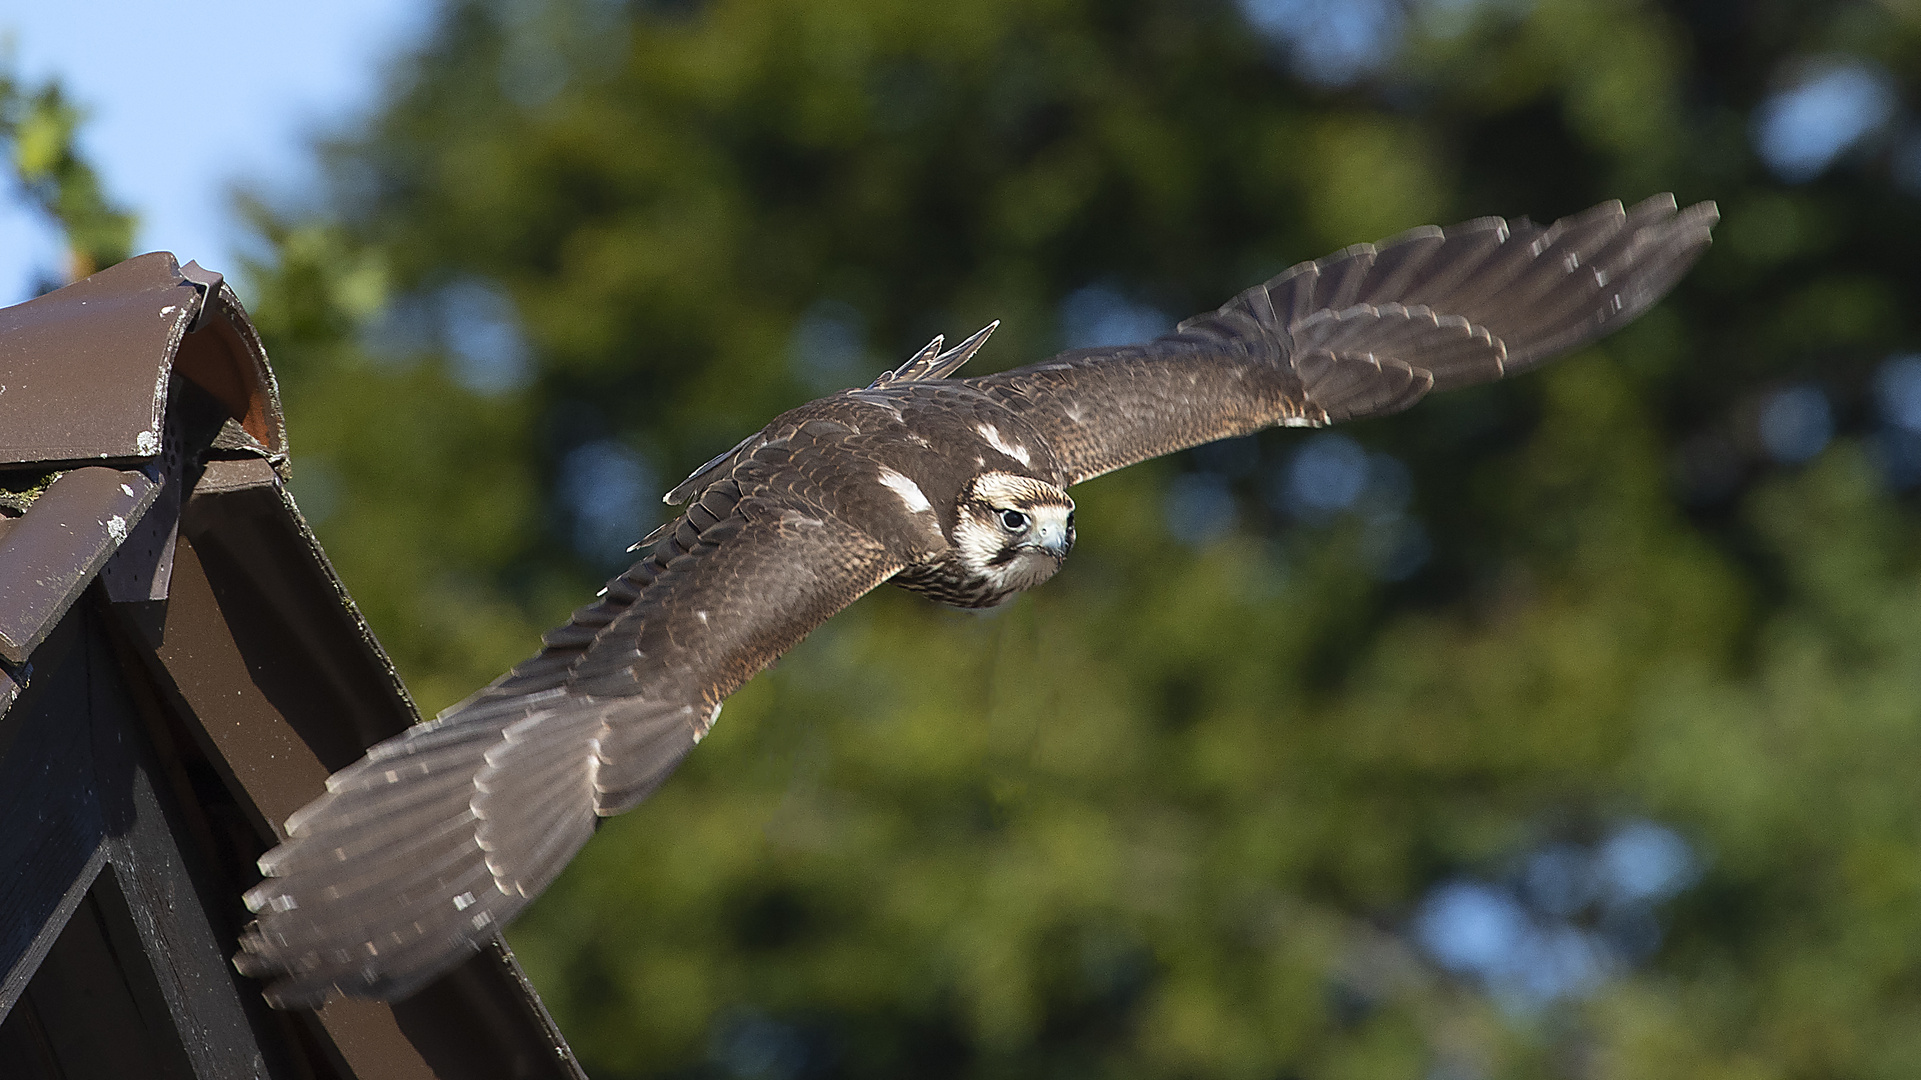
{"x": 101, "y": 395}
{"x": 180, "y": 669}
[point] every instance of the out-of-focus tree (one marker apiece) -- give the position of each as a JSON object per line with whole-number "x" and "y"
{"x": 37, "y": 127}
{"x": 1558, "y": 727}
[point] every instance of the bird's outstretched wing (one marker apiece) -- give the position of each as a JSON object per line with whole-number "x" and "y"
{"x": 1364, "y": 332}
{"x": 420, "y": 851}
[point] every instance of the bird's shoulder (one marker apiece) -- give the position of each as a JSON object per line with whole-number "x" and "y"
{"x": 887, "y": 460}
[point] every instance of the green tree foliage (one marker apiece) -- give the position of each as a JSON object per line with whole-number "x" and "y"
{"x": 1238, "y": 793}
{"x": 37, "y": 126}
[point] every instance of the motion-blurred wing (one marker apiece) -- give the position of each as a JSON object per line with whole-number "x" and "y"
{"x": 1365, "y": 332}
{"x": 424, "y": 848}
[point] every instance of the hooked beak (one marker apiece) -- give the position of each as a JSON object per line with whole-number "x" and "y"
{"x": 1052, "y": 537}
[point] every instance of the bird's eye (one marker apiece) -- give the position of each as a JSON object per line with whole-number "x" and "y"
{"x": 1013, "y": 520}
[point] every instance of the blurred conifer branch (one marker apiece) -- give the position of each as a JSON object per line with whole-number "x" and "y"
{"x": 37, "y": 127}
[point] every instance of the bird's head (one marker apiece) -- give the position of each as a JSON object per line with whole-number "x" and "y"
{"x": 1013, "y": 531}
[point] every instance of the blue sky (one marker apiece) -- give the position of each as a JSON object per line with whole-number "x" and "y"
{"x": 184, "y": 101}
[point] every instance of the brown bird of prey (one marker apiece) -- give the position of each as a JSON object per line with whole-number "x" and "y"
{"x": 954, "y": 488}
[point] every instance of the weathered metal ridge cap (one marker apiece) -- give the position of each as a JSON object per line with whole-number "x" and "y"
{"x": 84, "y": 370}
{"x": 86, "y": 381}
{"x": 180, "y": 669}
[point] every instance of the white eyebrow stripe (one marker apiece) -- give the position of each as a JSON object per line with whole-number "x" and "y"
{"x": 993, "y": 436}
{"x": 908, "y": 491}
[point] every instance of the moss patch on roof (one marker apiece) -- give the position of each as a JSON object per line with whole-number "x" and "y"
{"x": 18, "y": 490}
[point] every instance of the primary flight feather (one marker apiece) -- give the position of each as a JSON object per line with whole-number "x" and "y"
{"x": 953, "y": 488}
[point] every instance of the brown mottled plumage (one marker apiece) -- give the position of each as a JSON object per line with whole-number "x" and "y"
{"x": 951, "y": 487}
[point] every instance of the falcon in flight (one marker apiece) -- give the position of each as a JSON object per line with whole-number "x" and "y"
{"x": 953, "y": 488}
